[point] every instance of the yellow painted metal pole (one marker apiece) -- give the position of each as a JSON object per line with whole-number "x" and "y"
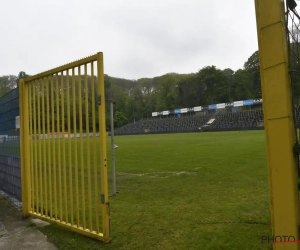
{"x": 96, "y": 197}
{"x": 64, "y": 145}
{"x": 88, "y": 164}
{"x": 34, "y": 141}
{"x": 43, "y": 80}
{"x": 103, "y": 154}
{"x": 31, "y": 144}
{"x": 25, "y": 156}
{"x": 70, "y": 166}
{"x": 75, "y": 146}
{"x": 81, "y": 149}
{"x": 48, "y": 81}
{"x": 25, "y": 209}
{"x": 27, "y": 142}
{"x": 57, "y": 89}
{"x": 39, "y": 143}
{"x": 53, "y": 147}
{"x": 278, "y": 119}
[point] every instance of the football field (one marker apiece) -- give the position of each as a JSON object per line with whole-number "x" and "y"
{"x": 185, "y": 191}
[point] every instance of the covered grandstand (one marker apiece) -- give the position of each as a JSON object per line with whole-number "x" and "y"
{"x": 219, "y": 121}
{"x": 239, "y": 115}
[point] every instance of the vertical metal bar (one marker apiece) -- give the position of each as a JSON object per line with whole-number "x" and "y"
{"x": 30, "y": 107}
{"x": 88, "y": 145}
{"x": 23, "y": 183}
{"x": 44, "y": 145}
{"x": 53, "y": 146}
{"x": 49, "y": 146}
{"x": 40, "y": 169}
{"x": 69, "y": 149}
{"x": 75, "y": 146}
{"x": 278, "y": 119}
{"x": 113, "y": 148}
{"x": 81, "y": 148}
{"x": 24, "y": 168}
{"x": 26, "y": 145}
{"x": 103, "y": 155}
{"x": 35, "y": 148}
{"x": 94, "y": 149}
{"x": 58, "y": 148}
{"x": 64, "y": 145}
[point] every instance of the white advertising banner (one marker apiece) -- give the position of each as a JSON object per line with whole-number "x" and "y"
{"x": 198, "y": 108}
{"x": 238, "y": 104}
{"x": 184, "y": 110}
{"x": 154, "y": 114}
{"x": 221, "y": 106}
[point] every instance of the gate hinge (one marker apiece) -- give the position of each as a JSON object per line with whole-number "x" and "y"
{"x": 296, "y": 148}
{"x": 99, "y": 99}
{"x": 102, "y": 198}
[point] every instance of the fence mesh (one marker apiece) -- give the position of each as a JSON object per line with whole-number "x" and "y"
{"x": 10, "y": 171}
{"x": 293, "y": 33}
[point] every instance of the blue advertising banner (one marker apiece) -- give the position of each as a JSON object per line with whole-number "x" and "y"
{"x": 213, "y": 106}
{"x": 247, "y": 102}
{"x": 177, "y": 111}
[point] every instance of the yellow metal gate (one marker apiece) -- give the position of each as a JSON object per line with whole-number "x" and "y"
{"x": 63, "y": 147}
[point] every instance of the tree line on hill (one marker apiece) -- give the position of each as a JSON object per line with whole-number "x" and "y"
{"x": 136, "y": 99}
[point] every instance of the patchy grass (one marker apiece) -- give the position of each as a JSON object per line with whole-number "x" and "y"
{"x": 185, "y": 191}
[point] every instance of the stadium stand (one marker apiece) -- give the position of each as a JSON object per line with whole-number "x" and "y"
{"x": 244, "y": 120}
{"x": 165, "y": 125}
{"x": 221, "y": 120}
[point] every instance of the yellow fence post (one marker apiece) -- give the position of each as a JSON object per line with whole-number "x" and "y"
{"x": 278, "y": 117}
{"x": 24, "y": 151}
{"x": 103, "y": 154}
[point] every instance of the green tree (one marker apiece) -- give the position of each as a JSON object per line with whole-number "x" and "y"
{"x": 7, "y": 83}
{"x": 165, "y": 91}
{"x": 229, "y": 82}
{"x": 252, "y": 67}
{"x": 214, "y": 83}
{"x": 120, "y": 119}
{"x": 242, "y": 85}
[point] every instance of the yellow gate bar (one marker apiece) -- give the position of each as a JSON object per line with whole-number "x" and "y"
{"x": 24, "y": 142}
{"x": 53, "y": 150}
{"x": 102, "y": 135}
{"x": 48, "y": 81}
{"x": 94, "y": 149}
{"x": 278, "y": 119}
{"x": 75, "y": 148}
{"x": 69, "y": 148}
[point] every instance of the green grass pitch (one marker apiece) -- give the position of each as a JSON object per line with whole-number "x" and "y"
{"x": 185, "y": 191}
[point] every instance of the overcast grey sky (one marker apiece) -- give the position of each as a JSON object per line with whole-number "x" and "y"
{"x": 139, "y": 38}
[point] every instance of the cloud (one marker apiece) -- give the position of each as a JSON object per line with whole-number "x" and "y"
{"x": 138, "y": 38}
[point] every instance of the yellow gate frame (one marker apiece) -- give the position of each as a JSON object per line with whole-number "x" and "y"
{"x": 37, "y": 184}
{"x": 278, "y": 119}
